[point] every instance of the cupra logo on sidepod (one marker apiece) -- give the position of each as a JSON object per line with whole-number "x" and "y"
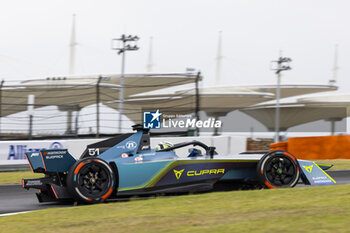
{"x": 178, "y": 173}
{"x": 308, "y": 168}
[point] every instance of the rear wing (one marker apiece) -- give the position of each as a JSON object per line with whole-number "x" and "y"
{"x": 313, "y": 174}
{"x": 55, "y": 160}
{"x": 324, "y": 166}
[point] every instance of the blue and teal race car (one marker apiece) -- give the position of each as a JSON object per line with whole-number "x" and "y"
{"x": 126, "y": 165}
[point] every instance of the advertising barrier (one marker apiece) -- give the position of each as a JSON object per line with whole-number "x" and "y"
{"x": 316, "y": 148}
{"x": 14, "y": 150}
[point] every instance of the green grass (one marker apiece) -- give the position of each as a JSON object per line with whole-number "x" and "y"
{"x": 316, "y": 209}
{"x": 16, "y": 177}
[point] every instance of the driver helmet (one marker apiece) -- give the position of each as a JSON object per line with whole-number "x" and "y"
{"x": 163, "y": 145}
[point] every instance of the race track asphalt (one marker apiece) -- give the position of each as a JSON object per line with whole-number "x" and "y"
{"x": 13, "y": 198}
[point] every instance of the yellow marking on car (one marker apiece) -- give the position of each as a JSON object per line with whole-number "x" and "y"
{"x": 178, "y": 173}
{"x": 308, "y": 168}
{"x": 206, "y": 171}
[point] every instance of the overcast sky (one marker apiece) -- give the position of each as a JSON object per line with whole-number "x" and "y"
{"x": 35, "y": 36}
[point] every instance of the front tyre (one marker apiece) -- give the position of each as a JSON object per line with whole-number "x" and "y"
{"x": 91, "y": 180}
{"x": 278, "y": 169}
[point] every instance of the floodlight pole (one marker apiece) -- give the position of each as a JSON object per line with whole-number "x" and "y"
{"x": 277, "y": 112}
{"x": 126, "y": 46}
{"x": 197, "y": 100}
{"x": 280, "y": 67}
{"x": 121, "y": 93}
{"x": 98, "y": 107}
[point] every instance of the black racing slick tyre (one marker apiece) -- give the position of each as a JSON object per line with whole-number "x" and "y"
{"x": 91, "y": 180}
{"x": 278, "y": 169}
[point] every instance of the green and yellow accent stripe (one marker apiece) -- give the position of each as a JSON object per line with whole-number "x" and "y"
{"x": 172, "y": 164}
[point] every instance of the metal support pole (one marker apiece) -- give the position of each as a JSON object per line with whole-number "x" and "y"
{"x": 127, "y": 42}
{"x": 216, "y": 130}
{"x": 121, "y": 93}
{"x": 77, "y": 120}
{"x": 197, "y": 101}
{"x": 333, "y": 121}
{"x": 30, "y": 127}
{"x": 277, "y": 116}
{"x": 69, "y": 129}
{"x": 280, "y": 67}
{"x": 31, "y": 113}
{"x": 1, "y": 85}
{"x": 332, "y": 127}
{"x": 98, "y": 107}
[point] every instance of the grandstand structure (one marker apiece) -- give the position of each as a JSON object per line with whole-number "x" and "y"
{"x": 216, "y": 101}
{"x": 59, "y": 101}
{"x": 332, "y": 108}
{"x": 88, "y": 104}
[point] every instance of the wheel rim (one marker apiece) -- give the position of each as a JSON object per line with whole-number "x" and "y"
{"x": 280, "y": 171}
{"x": 93, "y": 180}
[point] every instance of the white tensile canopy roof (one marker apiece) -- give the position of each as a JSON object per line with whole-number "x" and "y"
{"x": 215, "y": 101}
{"x": 133, "y": 83}
{"x": 14, "y": 98}
{"x": 72, "y": 90}
{"x": 294, "y": 114}
{"x": 308, "y": 109}
{"x": 341, "y": 99}
{"x": 70, "y": 93}
{"x": 287, "y": 90}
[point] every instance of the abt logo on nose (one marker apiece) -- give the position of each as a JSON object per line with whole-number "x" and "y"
{"x": 130, "y": 145}
{"x": 151, "y": 120}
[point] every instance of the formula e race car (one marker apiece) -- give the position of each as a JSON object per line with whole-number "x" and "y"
{"x": 126, "y": 165}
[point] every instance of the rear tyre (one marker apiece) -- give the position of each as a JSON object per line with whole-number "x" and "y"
{"x": 91, "y": 180}
{"x": 278, "y": 169}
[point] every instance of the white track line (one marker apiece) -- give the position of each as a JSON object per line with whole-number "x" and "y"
{"x": 14, "y": 213}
